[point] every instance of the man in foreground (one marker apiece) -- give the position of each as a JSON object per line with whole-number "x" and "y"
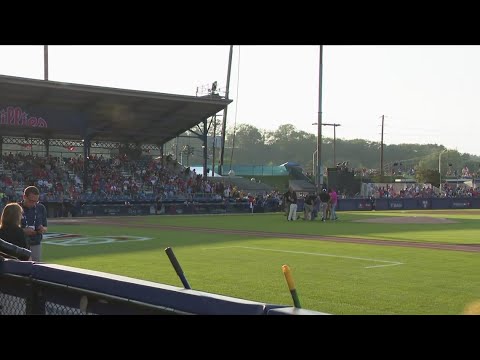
{"x": 34, "y": 220}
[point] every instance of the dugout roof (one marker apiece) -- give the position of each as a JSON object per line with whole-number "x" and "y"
{"x": 50, "y": 109}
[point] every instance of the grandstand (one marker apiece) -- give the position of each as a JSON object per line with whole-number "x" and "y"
{"x": 110, "y": 152}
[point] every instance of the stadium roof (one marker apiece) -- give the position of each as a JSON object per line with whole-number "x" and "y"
{"x": 75, "y": 111}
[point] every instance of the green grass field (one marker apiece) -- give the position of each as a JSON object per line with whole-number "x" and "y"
{"x": 332, "y": 277}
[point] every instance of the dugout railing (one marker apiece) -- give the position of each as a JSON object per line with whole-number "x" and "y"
{"x": 29, "y": 288}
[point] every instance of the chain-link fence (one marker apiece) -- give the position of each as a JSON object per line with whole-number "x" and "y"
{"x": 20, "y": 295}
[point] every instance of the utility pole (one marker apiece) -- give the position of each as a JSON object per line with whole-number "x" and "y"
{"x": 224, "y": 124}
{"x": 45, "y": 61}
{"x": 213, "y": 145}
{"x": 334, "y": 141}
{"x": 381, "y": 150}
{"x": 319, "y": 174}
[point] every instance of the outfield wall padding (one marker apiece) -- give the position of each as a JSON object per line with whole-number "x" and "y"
{"x": 409, "y": 204}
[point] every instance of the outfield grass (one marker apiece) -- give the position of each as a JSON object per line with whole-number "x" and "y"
{"x": 337, "y": 278}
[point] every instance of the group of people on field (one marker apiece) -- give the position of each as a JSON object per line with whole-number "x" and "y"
{"x": 22, "y": 225}
{"x": 325, "y": 203}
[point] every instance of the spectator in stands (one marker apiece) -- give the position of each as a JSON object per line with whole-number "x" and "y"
{"x": 34, "y": 221}
{"x": 10, "y": 228}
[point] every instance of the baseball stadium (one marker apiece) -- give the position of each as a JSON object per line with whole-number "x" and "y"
{"x": 132, "y": 230}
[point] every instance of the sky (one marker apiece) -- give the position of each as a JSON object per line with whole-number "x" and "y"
{"x": 427, "y": 94}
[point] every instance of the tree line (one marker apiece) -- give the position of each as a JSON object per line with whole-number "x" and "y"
{"x": 249, "y": 145}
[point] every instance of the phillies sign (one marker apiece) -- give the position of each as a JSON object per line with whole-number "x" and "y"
{"x": 15, "y": 116}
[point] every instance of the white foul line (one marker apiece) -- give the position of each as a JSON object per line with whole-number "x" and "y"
{"x": 389, "y": 263}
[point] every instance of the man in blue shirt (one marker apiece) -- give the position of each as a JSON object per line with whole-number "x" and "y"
{"x": 34, "y": 220}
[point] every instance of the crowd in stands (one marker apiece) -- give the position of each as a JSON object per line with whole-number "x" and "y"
{"x": 398, "y": 169}
{"x": 368, "y": 173}
{"x": 465, "y": 173}
{"x": 151, "y": 180}
{"x": 116, "y": 179}
{"x": 424, "y": 191}
{"x": 454, "y": 190}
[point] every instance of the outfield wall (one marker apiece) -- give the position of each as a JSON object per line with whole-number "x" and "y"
{"x": 179, "y": 208}
{"x": 409, "y": 204}
{"x": 141, "y": 208}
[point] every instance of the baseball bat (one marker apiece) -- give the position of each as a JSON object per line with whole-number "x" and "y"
{"x": 291, "y": 285}
{"x": 177, "y": 267}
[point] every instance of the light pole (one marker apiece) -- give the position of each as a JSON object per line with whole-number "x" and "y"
{"x": 440, "y": 169}
{"x": 319, "y": 175}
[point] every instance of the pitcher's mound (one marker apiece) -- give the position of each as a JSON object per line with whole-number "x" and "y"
{"x": 408, "y": 220}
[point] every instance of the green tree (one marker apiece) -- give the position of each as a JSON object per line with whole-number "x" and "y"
{"x": 428, "y": 176}
{"x": 286, "y": 143}
{"x": 248, "y": 136}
